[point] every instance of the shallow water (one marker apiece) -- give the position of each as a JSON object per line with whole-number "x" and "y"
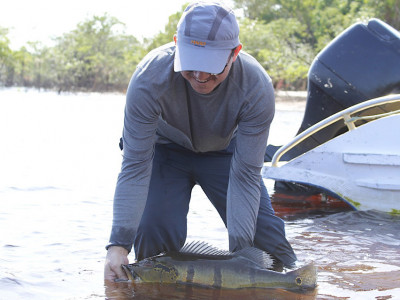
{"x": 59, "y": 160}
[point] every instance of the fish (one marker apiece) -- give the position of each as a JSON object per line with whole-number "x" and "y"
{"x": 201, "y": 264}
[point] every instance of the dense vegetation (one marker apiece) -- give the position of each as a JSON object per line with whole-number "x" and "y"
{"x": 284, "y": 35}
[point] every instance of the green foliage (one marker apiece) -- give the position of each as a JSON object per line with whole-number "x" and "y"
{"x": 284, "y": 56}
{"x": 387, "y": 10}
{"x": 167, "y": 35}
{"x": 283, "y": 35}
{"x": 286, "y": 35}
{"x": 96, "y": 56}
{"x": 23, "y": 67}
{"x": 6, "y": 61}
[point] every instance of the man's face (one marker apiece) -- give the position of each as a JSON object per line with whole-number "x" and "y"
{"x": 205, "y": 83}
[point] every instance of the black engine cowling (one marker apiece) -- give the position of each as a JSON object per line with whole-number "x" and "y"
{"x": 362, "y": 63}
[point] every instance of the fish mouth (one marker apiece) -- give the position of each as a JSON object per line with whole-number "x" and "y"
{"x": 130, "y": 271}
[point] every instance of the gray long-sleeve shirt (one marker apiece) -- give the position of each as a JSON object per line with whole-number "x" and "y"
{"x": 162, "y": 107}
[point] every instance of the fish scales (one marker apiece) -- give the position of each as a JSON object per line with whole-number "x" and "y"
{"x": 229, "y": 274}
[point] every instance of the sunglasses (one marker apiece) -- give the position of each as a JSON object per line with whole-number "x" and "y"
{"x": 227, "y": 63}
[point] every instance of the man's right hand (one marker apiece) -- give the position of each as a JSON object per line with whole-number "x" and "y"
{"x": 116, "y": 256}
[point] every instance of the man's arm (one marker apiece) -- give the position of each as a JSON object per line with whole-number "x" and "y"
{"x": 243, "y": 200}
{"x": 139, "y": 134}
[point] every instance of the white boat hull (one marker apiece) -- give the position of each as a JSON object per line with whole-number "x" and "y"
{"x": 361, "y": 166}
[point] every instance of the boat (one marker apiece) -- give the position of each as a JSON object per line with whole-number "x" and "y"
{"x": 348, "y": 145}
{"x": 361, "y": 166}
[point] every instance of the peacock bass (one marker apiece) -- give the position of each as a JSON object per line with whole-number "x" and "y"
{"x": 200, "y": 264}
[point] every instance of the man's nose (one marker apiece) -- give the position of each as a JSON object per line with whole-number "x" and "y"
{"x": 201, "y": 75}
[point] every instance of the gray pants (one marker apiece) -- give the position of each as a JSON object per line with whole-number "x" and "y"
{"x": 176, "y": 170}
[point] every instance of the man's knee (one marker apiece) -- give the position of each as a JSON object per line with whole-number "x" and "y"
{"x": 152, "y": 240}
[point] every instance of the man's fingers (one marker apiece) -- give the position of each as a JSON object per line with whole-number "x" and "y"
{"x": 114, "y": 274}
{"x": 109, "y": 274}
{"x": 120, "y": 273}
{"x": 116, "y": 257}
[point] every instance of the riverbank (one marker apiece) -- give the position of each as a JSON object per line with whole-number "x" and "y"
{"x": 280, "y": 95}
{"x": 293, "y": 96}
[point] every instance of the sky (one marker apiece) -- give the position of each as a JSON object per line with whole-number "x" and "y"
{"x": 40, "y": 20}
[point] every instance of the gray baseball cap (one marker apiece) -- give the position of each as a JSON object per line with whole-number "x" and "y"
{"x": 206, "y": 34}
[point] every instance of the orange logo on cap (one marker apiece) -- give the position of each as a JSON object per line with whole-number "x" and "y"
{"x": 198, "y": 43}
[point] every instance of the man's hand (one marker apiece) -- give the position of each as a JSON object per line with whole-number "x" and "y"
{"x": 116, "y": 256}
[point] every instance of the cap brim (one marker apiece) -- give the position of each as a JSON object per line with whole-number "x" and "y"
{"x": 189, "y": 58}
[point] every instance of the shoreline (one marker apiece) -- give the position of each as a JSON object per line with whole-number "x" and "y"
{"x": 284, "y": 97}
{"x": 290, "y": 96}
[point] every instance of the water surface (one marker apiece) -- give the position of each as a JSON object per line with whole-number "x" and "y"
{"x": 59, "y": 160}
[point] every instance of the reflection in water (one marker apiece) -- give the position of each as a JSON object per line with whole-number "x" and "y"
{"x": 295, "y": 205}
{"x": 144, "y": 291}
{"x": 59, "y": 162}
{"x": 357, "y": 254}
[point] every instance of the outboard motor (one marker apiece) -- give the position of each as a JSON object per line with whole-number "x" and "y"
{"x": 362, "y": 63}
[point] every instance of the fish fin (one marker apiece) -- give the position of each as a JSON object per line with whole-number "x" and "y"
{"x": 258, "y": 256}
{"x": 201, "y": 248}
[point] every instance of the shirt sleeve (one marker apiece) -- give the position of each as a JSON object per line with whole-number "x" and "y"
{"x": 139, "y": 134}
{"x": 243, "y": 197}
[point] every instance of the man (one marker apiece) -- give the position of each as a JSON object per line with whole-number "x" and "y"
{"x": 197, "y": 112}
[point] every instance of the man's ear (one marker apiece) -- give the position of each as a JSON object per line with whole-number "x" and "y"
{"x": 236, "y": 52}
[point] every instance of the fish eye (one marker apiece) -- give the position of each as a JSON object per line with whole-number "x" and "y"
{"x": 299, "y": 281}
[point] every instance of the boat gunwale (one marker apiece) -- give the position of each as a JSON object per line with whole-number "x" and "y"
{"x": 344, "y": 114}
